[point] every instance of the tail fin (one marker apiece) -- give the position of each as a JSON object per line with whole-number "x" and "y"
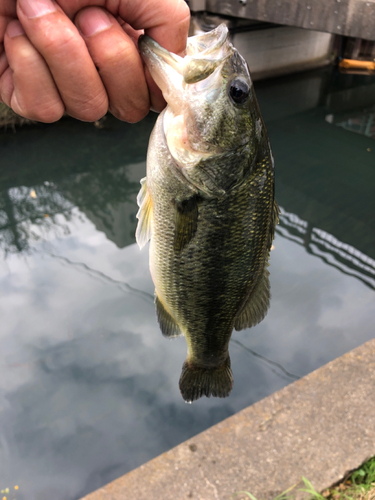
{"x": 196, "y": 381}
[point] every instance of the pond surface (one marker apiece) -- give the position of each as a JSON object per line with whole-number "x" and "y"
{"x": 88, "y": 385}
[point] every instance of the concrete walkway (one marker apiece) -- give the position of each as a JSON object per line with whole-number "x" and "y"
{"x": 319, "y": 427}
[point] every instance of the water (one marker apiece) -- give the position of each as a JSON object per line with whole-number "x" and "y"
{"x": 88, "y": 385}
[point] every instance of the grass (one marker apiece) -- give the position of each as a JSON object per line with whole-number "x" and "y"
{"x": 356, "y": 485}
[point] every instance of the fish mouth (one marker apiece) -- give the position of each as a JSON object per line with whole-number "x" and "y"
{"x": 204, "y": 54}
{"x": 176, "y": 76}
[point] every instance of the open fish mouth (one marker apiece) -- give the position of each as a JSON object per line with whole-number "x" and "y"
{"x": 207, "y": 91}
{"x": 186, "y": 82}
{"x": 204, "y": 53}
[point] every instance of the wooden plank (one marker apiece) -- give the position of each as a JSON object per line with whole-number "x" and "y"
{"x": 354, "y": 18}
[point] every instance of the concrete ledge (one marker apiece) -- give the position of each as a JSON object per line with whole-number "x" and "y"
{"x": 320, "y": 427}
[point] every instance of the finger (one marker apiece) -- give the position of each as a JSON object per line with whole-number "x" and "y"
{"x": 168, "y": 25}
{"x": 57, "y": 40}
{"x": 119, "y": 64}
{"x": 27, "y": 85}
{"x": 157, "y": 101}
{"x": 8, "y": 8}
{"x": 3, "y": 62}
{"x": 166, "y": 21}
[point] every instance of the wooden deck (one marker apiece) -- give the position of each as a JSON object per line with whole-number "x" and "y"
{"x": 355, "y": 18}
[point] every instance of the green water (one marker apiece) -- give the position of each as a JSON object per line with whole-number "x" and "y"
{"x": 88, "y": 385}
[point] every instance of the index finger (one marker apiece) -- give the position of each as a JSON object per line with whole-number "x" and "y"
{"x": 167, "y": 21}
{"x": 8, "y": 8}
{"x": 7, "y": 12}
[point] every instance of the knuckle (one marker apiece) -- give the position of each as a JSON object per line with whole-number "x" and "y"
{"x": 132, "y": 115}
{"x": 90, "y": 111}
{"x": 112, "y": 53}
{"x": 182, "y": 14}
{"x": 60, "y": 39}
{"x": 25, "y": 54}
{"x": 45, "y": 114}
{"x": 184, "y": 11}
{"x": 51, "y": 115}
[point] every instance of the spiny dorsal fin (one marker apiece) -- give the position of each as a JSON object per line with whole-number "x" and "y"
{"x": 256, "y": 306}
{"x": 168, "y": 326}
{"x": 186, "y": 218}
{"x": 274, "y": 221}
{"x": 144, "y": 215}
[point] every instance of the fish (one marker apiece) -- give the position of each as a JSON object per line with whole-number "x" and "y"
{"x": 207, "y": 205}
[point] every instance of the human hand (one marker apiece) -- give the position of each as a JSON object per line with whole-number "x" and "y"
{"x": 80, "y": 56}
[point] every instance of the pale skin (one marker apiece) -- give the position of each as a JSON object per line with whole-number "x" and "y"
{"x": 80, "y": 56}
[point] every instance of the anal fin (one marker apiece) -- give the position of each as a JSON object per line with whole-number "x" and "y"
{"x": 257, "y": 304}
{"x": 144, "y": 215}
{"x": 168, "y": 326}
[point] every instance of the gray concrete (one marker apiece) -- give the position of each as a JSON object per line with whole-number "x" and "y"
{"x": 319, "y": 427}
{"x": 345, "y": 17}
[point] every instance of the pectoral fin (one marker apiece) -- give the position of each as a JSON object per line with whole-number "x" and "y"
{"x": 168, "y": 325}
{"x": 256, "y": 306}
{"x": 204, "y": 180}
{"x": 144, "y": 215}
{"x": 186, "y": 219}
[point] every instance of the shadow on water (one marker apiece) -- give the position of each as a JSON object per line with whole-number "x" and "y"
{"x": 88, "y": 386}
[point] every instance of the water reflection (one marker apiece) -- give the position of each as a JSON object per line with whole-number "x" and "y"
{"x": 333, "y": 252}
{"x": 88, "y": 385}
{"x": 362, "y": 122}
{"x": 285, "y": 375}
{"x": 22, "y": 209}
{"x": 121, "y": 285}
{"x": 106, "y": 197}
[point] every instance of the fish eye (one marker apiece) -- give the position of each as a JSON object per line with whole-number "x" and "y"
{"x": 239, "y": 91}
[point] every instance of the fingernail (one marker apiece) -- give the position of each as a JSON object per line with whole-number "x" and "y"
{"x": 15, "y": 29}
{"x": 93, "y": 21}
{"x": 37, "y": 8}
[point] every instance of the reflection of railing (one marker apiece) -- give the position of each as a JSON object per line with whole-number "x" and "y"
{"x": 22, "y": 210}
{"x": 362, "y": 125}
{"x": 359, "y": 122}
{"x": 332, "y": 251}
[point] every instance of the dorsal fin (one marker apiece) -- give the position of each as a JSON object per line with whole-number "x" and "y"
{"x": 274, "y": 222}
{"x": 144, "y": 215}
{"x": 256, "y": 305}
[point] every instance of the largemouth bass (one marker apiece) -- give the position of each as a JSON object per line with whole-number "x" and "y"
{"x": 207, "y": 205}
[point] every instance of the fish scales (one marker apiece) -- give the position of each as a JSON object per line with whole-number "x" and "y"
{"x": 210, "y": 214}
